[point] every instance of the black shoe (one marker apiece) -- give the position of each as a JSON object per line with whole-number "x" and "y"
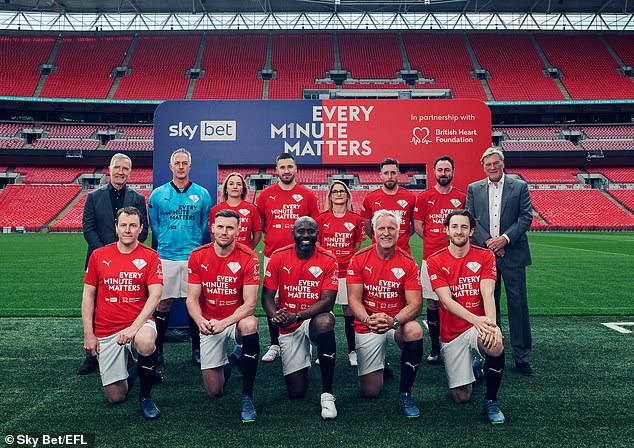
{"x": 176, "y": 335}
{"x": 90, "y": 365}
{"x": 196, "y": 357}
{"x": 158, "y": 378}
{"x": 149, "y": 409}
{"x": 388, "y": 371}
{"x": 433, "y": 358}
{"x": 524, "y": 368}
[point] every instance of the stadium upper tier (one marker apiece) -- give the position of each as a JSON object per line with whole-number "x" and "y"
{"x": 149, "y": 66}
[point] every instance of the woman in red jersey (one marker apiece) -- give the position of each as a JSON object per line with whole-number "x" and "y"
{"x": 341, "y": 232}
{"x": 234, "y": 192}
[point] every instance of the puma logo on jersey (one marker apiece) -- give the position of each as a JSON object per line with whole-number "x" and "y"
{"x": 430, "y": 202}
{"x": 446, "y": 270}
{"x": 413, "y": 366}
{"x": 205, "y": 267}
{"x": 368, "y": 268}
{"x": 326, "y": 225}
{"x": 272, "y": 197}
{"x": 106, "y": 262}
{"x": 377, "y": 203}
{"x": 288, "y": 270}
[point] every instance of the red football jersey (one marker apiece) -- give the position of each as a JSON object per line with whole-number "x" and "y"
{"x": 122, "y": 285}
{"x": 280, "y": 209}
{"x": 401, "y": 203}
{"x": 384, "y": 281}
{"x": 432, "y": 208}
{"x": 339, "y": 235}
{"x": 300, "y": 281}
{"x": 222, "y": 279}
{"x": 250, "y": 220}
{"x": 463, "y": 276}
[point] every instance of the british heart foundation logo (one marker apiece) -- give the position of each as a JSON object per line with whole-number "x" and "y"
{"x": 419, "y": 136}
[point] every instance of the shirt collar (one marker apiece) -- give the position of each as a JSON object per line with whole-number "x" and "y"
{"x": 500, "y": 182}
{"x": 111, "y": 188}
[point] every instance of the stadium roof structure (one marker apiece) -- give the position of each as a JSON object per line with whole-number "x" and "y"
{"x": 240, "y": 15}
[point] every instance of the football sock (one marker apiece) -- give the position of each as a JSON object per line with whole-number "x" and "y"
{"x": 274, "y": 332}
{"x": 493, "y": 370}
{"x": 146, "y": 368}
{"x": 433, "y": 321}
{"x": 249, "y": 361}
{"x": 349, "y": 330}
{"x": 327, "y": 354}
{"x": 411, "y": 354}
{"x": 161, "y": 318}
{"x": 195, "y": 333}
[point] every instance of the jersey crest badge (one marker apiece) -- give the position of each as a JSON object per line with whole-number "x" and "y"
{"x": 315, "y": 270}
{"x": 456, "y": 202}
{"x": 474, "y": 266}
{"x": 349, "y": 226}
{"x": 244, "y": 211}
{"x": 298, "y": 197}
{"x": 402, "y": 203}
{"x": 140, "y": 263}
{"x": 234, "y": 266}
{"x": 194, "y": 198}
{"x": 398, "y": 273}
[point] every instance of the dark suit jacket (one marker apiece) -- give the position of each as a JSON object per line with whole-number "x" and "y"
{"x": 98, "y": 220}
{"x": 515, "y": 218}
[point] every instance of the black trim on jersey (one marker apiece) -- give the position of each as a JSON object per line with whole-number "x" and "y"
{"x": 178, "y": 190}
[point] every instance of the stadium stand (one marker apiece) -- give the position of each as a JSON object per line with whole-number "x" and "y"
{"x": 10, "y": 129}
{"x": 546, "y": 175}
{"x": 515, "y": 68}
{"x": 65, "y": 144}
{"x": 532, "y": 133}
{"x": 608, "y": 145}
{"x": 11, "y": 143}
{"x": 129, "y": 145}
{"x": 606, "y": 131}
{"x": 375, "y": 85}
{"x": 84, "y": 66}
{"x": 71, "y": 220}
{"x": 33, "y": 206}
{"x": 589, "y": 69}
{"x": 536, "y": 145}
{"x": 70, "y": 130}
{"x": 580, "y": 210}
{"x": 20, "y": 57}
{"x": 624, "y": 47}
{"x": 615, "y": 174}
{"x": 3, "y": 169}
{"x": 370, "y": 55}
{"x": 158, "y": 66}
{"x": 50, "y": 175}
{"x": 445, "y": 58}
{"x": 231, "y": 64}
{"x": 625, "y": 197}
{"x": 299, "y": 59}
{"x": 136, "y": 132}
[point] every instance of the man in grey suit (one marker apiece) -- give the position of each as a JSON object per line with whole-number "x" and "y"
{"x": 502, "y": 207}
{"x": 98, "y": 221}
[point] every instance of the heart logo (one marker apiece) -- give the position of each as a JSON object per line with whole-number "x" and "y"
{"x": 419, "y": 135}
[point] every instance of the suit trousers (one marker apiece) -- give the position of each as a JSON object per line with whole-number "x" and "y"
{"x": 517, "y": 302}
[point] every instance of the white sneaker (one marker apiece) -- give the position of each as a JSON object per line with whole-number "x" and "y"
{"x": 272, "y": 353}
{"x": 352, "y": 357}
{"x": 328, "y": 408}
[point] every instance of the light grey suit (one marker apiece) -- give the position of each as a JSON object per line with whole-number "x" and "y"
{"x": 515, "y": 220}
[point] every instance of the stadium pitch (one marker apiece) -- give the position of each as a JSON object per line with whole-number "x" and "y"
{"x": 581, "y": 393}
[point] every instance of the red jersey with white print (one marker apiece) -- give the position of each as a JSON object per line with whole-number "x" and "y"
{"x": 222, "y": 278}
{"x": 300, "y": 282}
{"x": 250, "y": 220}
{"x": 384, "y": 281}
{"x": 463, "y": 276}
{"x": 339, "y": 236}
{"x": 280, "y": 209}
{"x": 401, "y": 203}
{"x": 122, "y": 285}
{"x": 432, "y": 208}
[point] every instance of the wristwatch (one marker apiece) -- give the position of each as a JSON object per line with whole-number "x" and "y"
{"x": 298, "y": 317}
{"x": 395, "y": 325}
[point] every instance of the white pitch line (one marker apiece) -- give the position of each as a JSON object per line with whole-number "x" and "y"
{"x": 618, "y": 326}
{"x": 583, "y": 250}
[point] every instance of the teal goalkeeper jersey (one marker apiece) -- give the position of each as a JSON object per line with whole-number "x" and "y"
{"x": 178, "y": 219}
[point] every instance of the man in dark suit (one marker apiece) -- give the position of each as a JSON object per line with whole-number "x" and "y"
{"x": 502, "y": 207}
{"x": 98, "y": 222}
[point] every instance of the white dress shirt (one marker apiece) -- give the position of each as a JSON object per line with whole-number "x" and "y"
{"x": 495, "y": 207}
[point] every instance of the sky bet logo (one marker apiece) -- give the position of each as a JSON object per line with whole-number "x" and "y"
{"x": 218, "y": 130}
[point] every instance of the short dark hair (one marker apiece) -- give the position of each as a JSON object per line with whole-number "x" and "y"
{"x": 460, "y": 212}
{"x": 443, "y": 159}
{"x": 226, "y": 213}
{"x": 284, "y": 156}
{"x": 389, "y": 161}
{"x": 129, "y": 210}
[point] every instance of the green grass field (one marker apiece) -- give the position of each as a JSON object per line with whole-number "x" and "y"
{"x": 580, "y": 396}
